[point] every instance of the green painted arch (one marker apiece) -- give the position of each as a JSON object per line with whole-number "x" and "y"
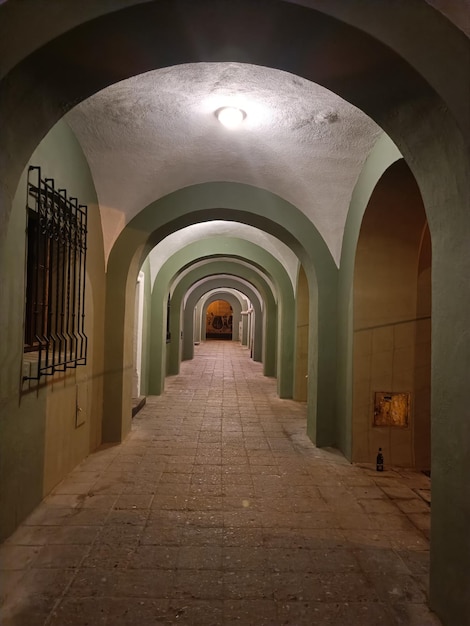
{"x": 268, "y": 265}
{"x": 243, "y": 305}
{"x": 268, "y": 324}
{"x": 45, "y": 81}
{"x": 212, "y": 284}
{"x": 383, "y": 155}
{"x": 233, "y": 202}
{"x": 266, "y": 310}
{"x": 337, "y": 32}
{"x": 208, "y": 283}
{"x": 234, "y": 301}
{"x": 215, "y": 283}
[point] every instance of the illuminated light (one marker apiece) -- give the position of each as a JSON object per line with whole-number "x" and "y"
{"x": 230, "y": 117}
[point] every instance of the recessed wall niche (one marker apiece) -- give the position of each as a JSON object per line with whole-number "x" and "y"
{"x": 219, "y": 320}
{"x": 392, "y": 409}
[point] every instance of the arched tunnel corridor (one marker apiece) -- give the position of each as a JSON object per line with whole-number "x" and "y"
{"x": 218, "y": 509}
{"x": 332, "y": 220}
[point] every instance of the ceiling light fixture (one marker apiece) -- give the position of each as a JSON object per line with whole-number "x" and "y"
{"x": 230, "y": 117}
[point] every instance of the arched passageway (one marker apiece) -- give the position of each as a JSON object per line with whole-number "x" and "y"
{"x": 410, "y": 81}
{"x": 219, "y": 320}
{"x": 257, "y": 332}
{"x": 237, "y": 301}
{"x": 392, "y": 325}
{"x": 218, "y": 509}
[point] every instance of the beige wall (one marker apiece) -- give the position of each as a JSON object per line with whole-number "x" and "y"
{"x": 392, "y": 320}
{"x": 42, "y": 436}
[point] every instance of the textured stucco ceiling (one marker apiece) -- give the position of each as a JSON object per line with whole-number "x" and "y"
{"x": 155, "y": 133}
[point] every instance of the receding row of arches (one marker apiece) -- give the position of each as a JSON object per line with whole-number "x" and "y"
{"x": 342, "y": 331}
{"x": 391, "y": 333}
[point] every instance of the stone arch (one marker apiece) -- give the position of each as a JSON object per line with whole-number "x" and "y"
{"x": 261, "y": 209}
{"x": 409, "y": 109}
{"x": 214, "y": 283}
{"x": 389, "y": 331}
{"x": 230, "y": 298}
{"x": 383, "y": 155}
{"x": 265, "y": 264}
{"x": 265, "y": 321}
{"x": 336, "y": 36}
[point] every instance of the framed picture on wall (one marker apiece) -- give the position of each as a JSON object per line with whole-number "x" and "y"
{"x": 392, "y": 409}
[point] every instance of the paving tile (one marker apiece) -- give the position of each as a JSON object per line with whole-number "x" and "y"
{"x": 332, "y": 560}
{"x": 218, "y": 510}
{"x": 133, "y": 501}
{"x": 416, "y": 561}
{"x": 92, "y": 500}
{"x": 196, "y": 612}
{"x": 9, "y": 583}
{"x": 106, "y": 556}
{"x": 155, "y": 534}
{"x": 200, "y": 557}
{"x": 243, "y": 584}
{"x": 60, "y": 556}
{"x": 333, "y": 614}
{"x": 202, "y": 536}
{"x": 381, "y": 560}
{"x": 49, "y": 516}
{"x": 252, "y": 612}
{"x": 202, "y": 584}
{"x": 245, "y": 558}
{"x": 243, "y": 536}
{"x": 154, "y": 557}
{"x": 30, "y": 536}
{"x": 413, "y": 614}
{"x": 413, "y": 505}
{"x": 87, "y": 517}
{"x": 397, "y": 588}
{"x": 13, "y": 557}
{"x": 30, "y": 611}
{"x": 32, "y": 600}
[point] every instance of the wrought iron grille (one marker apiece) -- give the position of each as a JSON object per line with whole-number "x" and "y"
{"x": 55, "y": 281}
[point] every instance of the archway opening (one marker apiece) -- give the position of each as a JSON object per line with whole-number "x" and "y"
{"x": 392, "y": 326}
{"x": 219, "y": 320}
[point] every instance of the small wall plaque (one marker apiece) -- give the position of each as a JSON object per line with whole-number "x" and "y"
{"x": 391, "y": 409}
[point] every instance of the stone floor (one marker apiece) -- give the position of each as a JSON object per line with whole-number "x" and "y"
{"x": 218, "y": 510}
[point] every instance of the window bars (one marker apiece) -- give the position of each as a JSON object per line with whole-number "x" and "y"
{"x": 55, "y": 277}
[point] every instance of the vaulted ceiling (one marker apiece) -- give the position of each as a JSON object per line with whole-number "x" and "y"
{"x": 157, "y": 132}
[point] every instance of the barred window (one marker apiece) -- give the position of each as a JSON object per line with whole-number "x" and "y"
{"x": 55, "y": 277}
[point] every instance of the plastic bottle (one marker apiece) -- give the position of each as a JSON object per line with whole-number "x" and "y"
{"x": 380, "y": 461}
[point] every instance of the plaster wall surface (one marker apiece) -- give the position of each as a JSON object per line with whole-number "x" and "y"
{"x": 155, "y": 133}
{"x": 39, "y": 424}
{"x": 425, "y": 111}
{"x": 382, "y": 156}
{"x": 392, "y": 342}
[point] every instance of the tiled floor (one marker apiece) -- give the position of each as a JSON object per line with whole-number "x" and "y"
{"x": 218, "y": 510}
